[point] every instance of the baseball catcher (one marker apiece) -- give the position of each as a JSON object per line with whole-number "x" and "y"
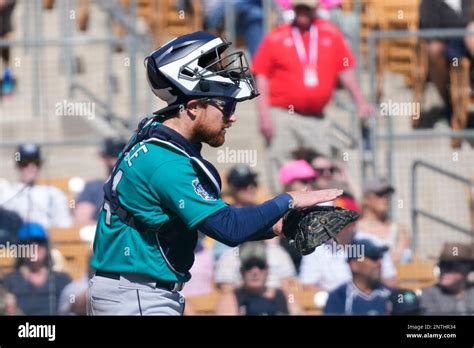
{"x": 161, "y": 191}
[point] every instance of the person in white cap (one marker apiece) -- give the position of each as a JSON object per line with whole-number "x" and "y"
{"x": 375, "y": 221}
{"x": 43, "y": 204}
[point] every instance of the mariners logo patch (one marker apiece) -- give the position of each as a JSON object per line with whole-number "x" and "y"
{"x": 201, "y": 191}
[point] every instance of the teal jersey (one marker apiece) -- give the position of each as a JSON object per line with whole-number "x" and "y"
{"x": 156, "y": 184}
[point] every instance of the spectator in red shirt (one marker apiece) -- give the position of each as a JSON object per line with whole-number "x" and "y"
{"x": 297, "y": 66}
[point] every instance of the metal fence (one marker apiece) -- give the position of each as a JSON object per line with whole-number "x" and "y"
{"x": 72, "y": 88}
{"x": 397, "y": 151}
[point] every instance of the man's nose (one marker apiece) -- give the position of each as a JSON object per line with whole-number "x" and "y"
{"x": 232, "y": 118}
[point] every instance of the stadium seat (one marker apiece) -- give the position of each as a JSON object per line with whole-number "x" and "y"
{"x": 76, "y": 255}
{"x": 461, "y": 96}
{"x": 7, "y": 265}
{"x": 204, "y": 304}
{"x": 402, "y": 53}
{"x": 416, "y": 275}
{"x": 372, "y": 18}
{"x": 61, "y": 182}
{"x": 164, "y": 19}
{"x": 75, "y": 251}
{"x": 398, "y": 55}
{"x": 64, "y": 235}
{"x": 306, "y": 300}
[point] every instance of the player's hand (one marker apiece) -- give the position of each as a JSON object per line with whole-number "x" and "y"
{"x": 278, "y": 227}
{"x": 304, "y": 199}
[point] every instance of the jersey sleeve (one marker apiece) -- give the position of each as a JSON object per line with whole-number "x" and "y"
{"x": 181, "y": 190}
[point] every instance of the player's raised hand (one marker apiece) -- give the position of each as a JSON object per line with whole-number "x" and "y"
{"x": 303, "y": 199}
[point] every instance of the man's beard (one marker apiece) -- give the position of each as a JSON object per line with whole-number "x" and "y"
{"x": 374, "y": 281}
{"x": 203, "y": 135}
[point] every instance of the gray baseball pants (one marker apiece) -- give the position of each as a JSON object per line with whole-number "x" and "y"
{"x": 131, "y": 295}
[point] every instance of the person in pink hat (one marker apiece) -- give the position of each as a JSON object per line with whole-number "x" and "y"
{"x": 298, "y": 175}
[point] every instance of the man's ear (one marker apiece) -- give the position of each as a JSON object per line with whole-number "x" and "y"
{"x": 192, "y": 107}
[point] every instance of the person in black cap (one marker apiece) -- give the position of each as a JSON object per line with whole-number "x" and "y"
{"x": 29, "y": 161}
{"x": 242, "y": 191}
{"x": 10, "y": 223}
{"x": 375, "y": 220}
{"x": 90, "y": 200}
{"x": 254, "y": 298}
{"x": 365, "y": 294}
{"x": 242, "y": 185}
{"x": 35, "y": 285}
{"x": 454, "y": 292}
{"x": 43, "y": 204}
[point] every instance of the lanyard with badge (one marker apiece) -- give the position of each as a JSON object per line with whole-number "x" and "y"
{"x": 309, "y": 65}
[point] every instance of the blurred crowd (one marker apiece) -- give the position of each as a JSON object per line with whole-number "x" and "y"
{"x": 357, "y": 274}
{"x": 296, "y": 79}
{"x": 443, "y": 53}
{"x": 29, "y": 209}
{"x": 255, "y": 278}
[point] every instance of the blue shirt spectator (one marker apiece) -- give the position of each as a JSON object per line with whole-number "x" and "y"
{"x": 349, "y": 300}
{"x": 248, "y": 16}
{"x": 365, "y": 294}
{"x": 10, "y": 223}
{"x": 35, "y": 286}
{"x": 94, "y": 195}
{"x": 35, "y": 300}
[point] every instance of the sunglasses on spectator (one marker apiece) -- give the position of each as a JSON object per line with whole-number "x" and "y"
{"x": 24, "y": 164}
{"x": 250, "y": 185}
{"x": 226, "y": 106}
{"x": 375, "y": 257}
{"x": 383, "y": 194}
{"x": 325, "y": 171}
{"x": 259, "y": 264}
{"x": 306, "y": 181}
{"x": 455, "y": 266}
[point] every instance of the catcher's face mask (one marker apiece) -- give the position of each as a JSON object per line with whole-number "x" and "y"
{"x": 194, "y": 66}
{"x": 213, "y": 65}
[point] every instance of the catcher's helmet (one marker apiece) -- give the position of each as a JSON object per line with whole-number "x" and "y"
{"x": 192, "y": 67}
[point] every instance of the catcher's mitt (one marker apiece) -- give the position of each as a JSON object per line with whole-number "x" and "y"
{"x": 308, "y": 228}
